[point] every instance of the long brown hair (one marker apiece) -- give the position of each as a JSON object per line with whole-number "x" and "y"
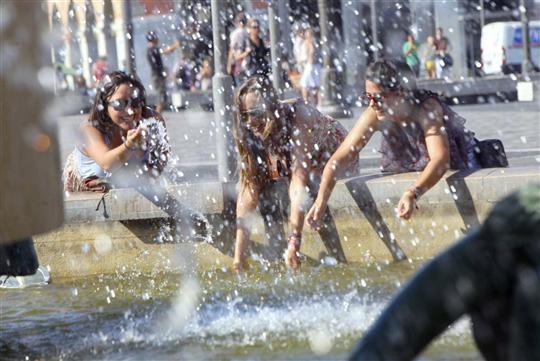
{"x": 254, "y": 150}
{"x": 99, "y": 115}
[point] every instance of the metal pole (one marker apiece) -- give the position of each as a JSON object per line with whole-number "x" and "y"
{"x": 482, "y": 15}
{"x": 222, "y": 85}
{"x": 276, "y": 46}
{"x": 328, "y": 76}
{"x": 374, "y": 35}
{"x": 129, "y": 50}
{"x": 526, "y": 64}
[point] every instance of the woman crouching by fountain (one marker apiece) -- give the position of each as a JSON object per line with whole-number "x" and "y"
{"x": 125, "y": 145}
{"x": 420, "y": 134}
{"x": 280, "y": 139}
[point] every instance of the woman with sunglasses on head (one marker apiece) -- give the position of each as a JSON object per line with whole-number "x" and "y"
{"x": 112, "y": 137}
{"x": 279, "y": 139}
{"x": 420, "y": 134}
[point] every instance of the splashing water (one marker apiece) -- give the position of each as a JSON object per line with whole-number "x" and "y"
{"x": 266, "y": 314}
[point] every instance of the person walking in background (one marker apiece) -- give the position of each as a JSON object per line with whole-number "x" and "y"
{"x": 183, "y": 74}
{"x": 444, "y": 61}
{"x": 429, "y": 53}
{"x": 299, "y": 55}
{"x": 411, "y": 56}
{"x": 159, "y": 75}
{"x": 254, "y": 53}
{"x": 299, "y": 50}
{"x": 238, "y": 39}
{"x": 99, "y": 69}
{"x": 311, "y": 75}
{"x": 204, "y": 76}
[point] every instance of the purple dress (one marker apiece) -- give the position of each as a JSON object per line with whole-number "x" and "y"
{"x": 404, "y": 149}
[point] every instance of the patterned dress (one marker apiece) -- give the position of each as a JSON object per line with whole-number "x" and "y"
{"x": 327, "y": 133}
{"x": 404, "y": 149}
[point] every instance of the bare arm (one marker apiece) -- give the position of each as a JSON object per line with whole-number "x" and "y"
{"x": 248, "y": 198}
{"x": 310, "y": 49}
{"x": 242, "y": 54}
{"x": 171, "y": 48}
{"x": 341, "y": 159}
{"x": 298, "y": 191}
{"x": 109, "y": 158}
{"x": 431, "y": 120}
{"x": 437, "y": 145}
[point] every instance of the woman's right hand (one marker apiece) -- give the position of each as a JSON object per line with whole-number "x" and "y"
{"x": 133, "y": 138}
{"x": 315, "y": 214}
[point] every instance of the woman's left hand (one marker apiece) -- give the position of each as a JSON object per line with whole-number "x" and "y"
{"x": 407, "y": 205}
{"x": 291, "y": 258}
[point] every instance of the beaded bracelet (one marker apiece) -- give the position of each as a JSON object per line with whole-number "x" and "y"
{"x": 416, "y": 191}
{"x": 294, "y": 241}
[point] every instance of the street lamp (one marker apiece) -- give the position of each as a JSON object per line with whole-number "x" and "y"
{"x": 329, "y": 105}
{"x": 374, "y": 30}
{"x": 526, "y": 63}
{"x": 276, "y": 46}
{"x": 222, "y": 88}
{"x": 129, "y": 49}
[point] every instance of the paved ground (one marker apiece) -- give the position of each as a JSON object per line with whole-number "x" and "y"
{"x": 192, "y": 135}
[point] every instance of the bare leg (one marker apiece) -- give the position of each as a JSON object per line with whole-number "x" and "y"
{"x": 305, "y": 94}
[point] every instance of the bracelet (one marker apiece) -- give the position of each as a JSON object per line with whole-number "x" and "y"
{"x": 416, "y": 191}
{"x": 294, "y": 241}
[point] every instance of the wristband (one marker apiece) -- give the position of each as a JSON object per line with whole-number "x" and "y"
{"x": 294, "y": 241}
{"x": 416, "y": 191}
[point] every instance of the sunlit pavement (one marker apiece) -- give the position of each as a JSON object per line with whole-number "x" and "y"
{"x": 192, "y": 134}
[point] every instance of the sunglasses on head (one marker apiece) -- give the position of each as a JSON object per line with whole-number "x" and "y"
{"x": 122, "y": 104}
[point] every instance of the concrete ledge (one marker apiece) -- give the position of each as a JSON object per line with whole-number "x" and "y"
{"x": 128, "y": 204}
{"x": 124, "y": 235}
{"x": 477, "y": 87}
{"x": 191, "y": 99}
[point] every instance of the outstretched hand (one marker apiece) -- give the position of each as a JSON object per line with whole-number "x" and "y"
{"x": 315, "y": 214}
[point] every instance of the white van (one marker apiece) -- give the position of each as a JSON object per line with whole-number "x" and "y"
{"x": 502, "y": 46}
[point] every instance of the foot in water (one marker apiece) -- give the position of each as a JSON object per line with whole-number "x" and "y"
{"x": 240, "y": 266}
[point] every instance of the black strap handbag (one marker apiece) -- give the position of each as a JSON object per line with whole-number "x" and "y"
{"x": 490, "y": 153}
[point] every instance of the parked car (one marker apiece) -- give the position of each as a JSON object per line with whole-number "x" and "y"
{"x": 502, "y": 46}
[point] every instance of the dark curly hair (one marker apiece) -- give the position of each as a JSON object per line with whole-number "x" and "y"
{"x": 391, "y": 75}
{"x": 99, "y": 116}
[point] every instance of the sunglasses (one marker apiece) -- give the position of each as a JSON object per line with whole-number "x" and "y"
{"x": 255, "y": 113}
{"x": 121, "y": 104}
{"x": 377, "y": 98}
{"x": 255, "y": 27}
